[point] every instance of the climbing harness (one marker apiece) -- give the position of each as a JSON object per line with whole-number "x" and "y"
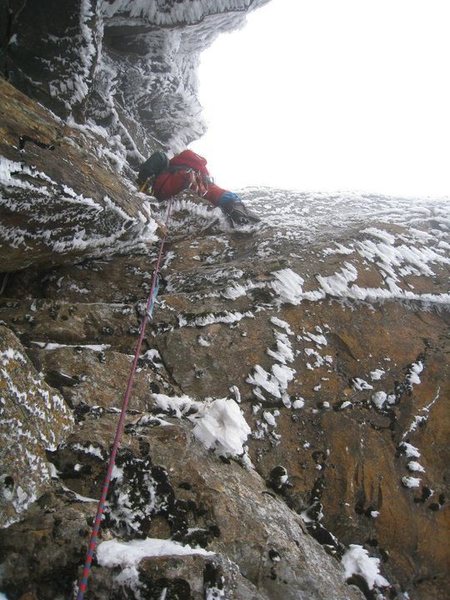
{"x": 82, "y": 585}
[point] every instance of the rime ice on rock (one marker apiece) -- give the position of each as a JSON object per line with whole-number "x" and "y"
{"x": 219, "y": 424}
{"x": 223, "y": 427}
{"x": 288, "y": 286}
{"x": 356, "y": 561}
{"x": 360, "y": 384}
{"x": 411, "y": 482}
{"x": 50, "y": 210}
{"x": 386, "y": 257}
{"x": 33, "y": 418}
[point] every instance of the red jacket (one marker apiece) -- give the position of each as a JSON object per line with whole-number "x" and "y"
{"x": 187, "y": 170}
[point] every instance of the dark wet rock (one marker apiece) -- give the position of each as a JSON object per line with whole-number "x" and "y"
{"x": 38, "y": 553}
{"x": 94, "y": 378}
{"x": 194, "y": 576}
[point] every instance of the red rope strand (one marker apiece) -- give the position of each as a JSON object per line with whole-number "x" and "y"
{"x": 82, "y": 585}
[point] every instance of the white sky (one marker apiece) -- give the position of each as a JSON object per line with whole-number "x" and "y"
{"x": 336, "y": 94}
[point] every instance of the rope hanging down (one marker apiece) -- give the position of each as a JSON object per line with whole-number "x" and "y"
{"x": 82, "y": 585}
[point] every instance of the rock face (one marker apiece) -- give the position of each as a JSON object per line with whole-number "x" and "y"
{"x": 33, "y": 418}
{"x": 120, "y": 81}
{"x": 288, "y": 430}
{"x": 127, "y": 66}
{"x": 61, "y": 195}
{"x": 334, "y": 346}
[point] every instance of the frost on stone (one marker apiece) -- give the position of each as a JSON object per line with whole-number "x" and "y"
{"x": 269, "y": 418}
{"x": 219, "y": 424}
{"x": 413, "y": 465}
{"x": 223, "y": 428}
{"x": 410, "y": 450}
{"x": 114, "y": 553}
{"x": 177, "y": 406}
{"x": 411, "y": 482}
{"x": 422, "y": 418}
{"x": 153, "y": 357}
{"x": 215, "y": 593}
{"x": 159, "y": 94}
{"x": 360, "y": 384}
{"x": 345, "y": 404}
{"x": 234, "y": 291}
{"x": 274, "y": 383}
{"x": 298, "y": 403}
{"x": 175, "y": 12}
{"x": 356, "y": 561}
{"x": 283, "y": 352}
{"x": 135, "y": 496}
{"x": 225, "y": 317}
{"x": 288, "y": 286}
{"x": 393, "y": 260}
{"x": 90, "y": 450}
{"x": 338, "y": 284}
{"x": 377, "y": 374}
{"x": 64, "y": 221}
{"x": 316, "y": 359}
{"x": 414, "y": 372}
{"x": 282, "y": 324}
{"x": 317, "y": 337}
{"x": 55, "y": 346}
{"x": 383, "y": 400}
{"x": 124, "y": 557}
{"x": 33, "y": 419}
{"x": 202, "y": 341}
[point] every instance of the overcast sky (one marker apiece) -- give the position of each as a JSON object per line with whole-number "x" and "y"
{"x": 332, "y": 95}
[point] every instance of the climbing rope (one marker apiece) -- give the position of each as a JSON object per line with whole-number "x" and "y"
{"x": 82, "y": 585}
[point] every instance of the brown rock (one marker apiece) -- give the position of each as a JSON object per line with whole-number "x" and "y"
{"x": 58, "y": 172}
{"x": 327, "y": 443}
{"x": 33, "y": 419}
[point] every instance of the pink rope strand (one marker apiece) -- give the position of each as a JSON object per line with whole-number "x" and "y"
{"x": 82, "y": 585}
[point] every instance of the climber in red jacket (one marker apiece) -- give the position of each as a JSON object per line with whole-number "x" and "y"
{"x": 187, "y": 170}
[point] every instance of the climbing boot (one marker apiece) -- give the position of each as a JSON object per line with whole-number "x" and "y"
{"x": 238, "y": 214}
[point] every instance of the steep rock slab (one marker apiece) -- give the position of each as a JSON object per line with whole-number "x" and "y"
{"x": 376, "y": 355}
{"x": 39, "y": 552}
{"x": 194, "y": 574}
{"x": 366, "y": 489}
{"x": 60, "y": 199}
{"x": 165, "y": 484}
{"x": 89, "y": 377}
{"x": 361, "y": 318}
{"x": 115, "y": 280}
{"x": 99, "y": 325}
{"x": 33, "y": 419}
{"x": 51, "y": 51}
{"x": 384, "y": 367}
{"x": 164, "y": 475}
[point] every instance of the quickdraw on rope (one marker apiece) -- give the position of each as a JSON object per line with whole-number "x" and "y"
{"x": 82, "y": 585}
